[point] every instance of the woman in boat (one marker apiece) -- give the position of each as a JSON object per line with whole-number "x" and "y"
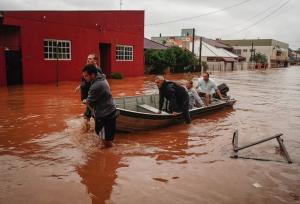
{"x": 176, "y": 95}
{"x": 194, "y": 98}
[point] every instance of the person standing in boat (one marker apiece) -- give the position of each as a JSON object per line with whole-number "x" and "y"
{"x": 194, "y": 98}
{"x": 84, "y": 86}
{"x": 176, "y": 95}
{"x": 206, "y": 86}
{"x": 100, "y": 102}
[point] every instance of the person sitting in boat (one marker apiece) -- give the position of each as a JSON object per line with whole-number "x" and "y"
{"x": 194, "y": 98}
{"x": 206, "y": 87}
{"x": 176, "y": 95}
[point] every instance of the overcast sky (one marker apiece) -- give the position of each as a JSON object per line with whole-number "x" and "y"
{"x": 226, "y": 19}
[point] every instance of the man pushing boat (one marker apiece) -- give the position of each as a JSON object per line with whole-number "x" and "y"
{"x": 176, "y": 95}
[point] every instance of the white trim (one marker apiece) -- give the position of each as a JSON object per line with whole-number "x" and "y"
{"x": 64, "y": 45}
{"x": 125, "y": 53}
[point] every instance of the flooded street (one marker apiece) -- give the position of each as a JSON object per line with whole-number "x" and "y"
{"x": 47, "y": 157}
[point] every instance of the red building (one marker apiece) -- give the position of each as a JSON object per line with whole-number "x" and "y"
{"x": 50, "y": 46}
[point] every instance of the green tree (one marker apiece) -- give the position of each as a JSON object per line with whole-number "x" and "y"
{"x": 259, "y": 58}
{"x": 177, "y": 59}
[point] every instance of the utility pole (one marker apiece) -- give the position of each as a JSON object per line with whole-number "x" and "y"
{"x": 200, "y": 55}
{"x": 193, "y": 46}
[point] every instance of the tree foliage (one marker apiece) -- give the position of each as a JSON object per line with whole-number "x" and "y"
{"x": 259, "y": 58}
{"x": 177, "y": 59}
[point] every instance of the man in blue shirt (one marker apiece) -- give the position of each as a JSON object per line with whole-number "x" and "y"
{"x": 206, "y": 86}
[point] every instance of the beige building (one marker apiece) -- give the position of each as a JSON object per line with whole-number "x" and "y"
{"x": 276, "y": 51}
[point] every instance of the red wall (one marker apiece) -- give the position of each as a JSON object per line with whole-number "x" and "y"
{"x": 85, "y": 30}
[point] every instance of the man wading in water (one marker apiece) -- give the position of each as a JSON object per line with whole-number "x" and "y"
{"x": 84, "y": 87}
{"x": 100, "y": 103}
{"x": 176, "y": 95}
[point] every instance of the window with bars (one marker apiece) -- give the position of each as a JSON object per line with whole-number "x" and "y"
{"x": 57, "y": 49}
{"x": 124, "y": 53}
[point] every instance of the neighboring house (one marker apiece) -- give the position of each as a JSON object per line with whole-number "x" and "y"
{"x": 294, "y": 57}
{"x": 212, "y": 50}
{"x": 275, "y": 51}
{"x": 152, "y": 45}
{"x": 46, "y": 46}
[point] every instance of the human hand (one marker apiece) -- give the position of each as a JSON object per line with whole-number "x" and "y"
{"x": 77, "y": 89}
{"x": 84, "y": 101}
{"x": 175, "y": 113}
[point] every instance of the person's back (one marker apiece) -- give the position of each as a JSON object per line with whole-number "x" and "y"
{"x": 100, "y": 96}
{"x": 176, "y": 95}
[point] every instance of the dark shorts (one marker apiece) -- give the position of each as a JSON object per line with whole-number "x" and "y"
{"x": 109, "y": 125}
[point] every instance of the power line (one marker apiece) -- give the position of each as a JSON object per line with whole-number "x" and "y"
{"x": 259, "y": 20}
{"x": 247, "y": 20}
{"x": 198, "y": 16}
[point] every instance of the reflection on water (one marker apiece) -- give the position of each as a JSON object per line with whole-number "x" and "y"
{"x": 46, "y": 156}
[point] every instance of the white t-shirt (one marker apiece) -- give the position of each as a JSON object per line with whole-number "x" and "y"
{"x": 207, "y": 87}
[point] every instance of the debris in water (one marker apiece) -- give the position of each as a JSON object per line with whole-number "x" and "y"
{"x": 257, "y": 185}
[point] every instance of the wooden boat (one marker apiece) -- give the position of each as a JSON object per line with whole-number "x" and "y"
{"x": 139, "y": 113}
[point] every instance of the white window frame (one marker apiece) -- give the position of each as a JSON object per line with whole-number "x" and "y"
{"x": 124, "y": 53}
{"x": 50, "y": 46}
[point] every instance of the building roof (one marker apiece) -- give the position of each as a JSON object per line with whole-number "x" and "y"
{"x": 211, "y": 51}
{"x": 256, "y": 42}
{"x": 152, "y": 45}
{"x": 215, "y": 43}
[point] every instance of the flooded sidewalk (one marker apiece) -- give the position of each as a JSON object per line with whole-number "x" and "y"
{"x": 46, "y": 156}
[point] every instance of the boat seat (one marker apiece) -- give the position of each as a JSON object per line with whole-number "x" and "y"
{"x": 150, "y": 108}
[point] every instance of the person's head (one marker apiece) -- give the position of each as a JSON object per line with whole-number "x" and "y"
{"x": 92, "y": 59}
{"x": 159, "y": 80}
{"x": 189, "y": 84}
{"x": 89, "y": 72}
{"x": 205, "y": 76}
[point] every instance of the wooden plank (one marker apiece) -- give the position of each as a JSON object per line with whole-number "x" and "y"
{"x": 151, "y": 109}
{"x": 282, "y": 147}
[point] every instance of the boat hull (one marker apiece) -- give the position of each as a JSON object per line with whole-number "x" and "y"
{"x": 131, "y": 121}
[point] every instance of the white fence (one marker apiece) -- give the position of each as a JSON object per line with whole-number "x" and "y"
{"x": 220, "y": 66}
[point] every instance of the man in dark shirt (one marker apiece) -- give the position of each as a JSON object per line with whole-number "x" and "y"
{"x": 176, "y": 95}
{"x": 84, "y": 86}
{"x": 100, "y": 102}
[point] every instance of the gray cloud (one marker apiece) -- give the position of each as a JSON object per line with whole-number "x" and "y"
{"x": 283, "y": 25}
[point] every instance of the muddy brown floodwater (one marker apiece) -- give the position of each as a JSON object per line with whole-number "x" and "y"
{"x": 46, "y": 157}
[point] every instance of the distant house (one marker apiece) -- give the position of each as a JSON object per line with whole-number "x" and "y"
{"x": 276, "y": 51}
{"x": 152, "y": 45}
{"x": 185, "y": 41}
{"x": 46, "y": 46}
{"x": 212, "y": 50}
{"x": 294, "y": 57}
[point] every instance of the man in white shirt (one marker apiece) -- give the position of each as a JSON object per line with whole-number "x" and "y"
{"x": 206, "y": 87}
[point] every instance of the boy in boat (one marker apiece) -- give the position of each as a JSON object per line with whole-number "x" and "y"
{"x": 84, "y": 86}
{"x": 176, "y": 95}
{"x": 206, "y": 86}
{"x": 100, "y": 102}
{"x": 194, "y": 98}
